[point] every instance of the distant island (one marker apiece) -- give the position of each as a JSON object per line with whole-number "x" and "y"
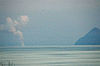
{"x": 91, "y": 38}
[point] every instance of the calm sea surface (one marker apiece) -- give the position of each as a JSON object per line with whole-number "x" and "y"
{"x": 51, "y": 56}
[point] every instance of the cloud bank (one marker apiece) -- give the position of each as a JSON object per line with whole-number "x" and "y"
{"x": 13, "y": 25}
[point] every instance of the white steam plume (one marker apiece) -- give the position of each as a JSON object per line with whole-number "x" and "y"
{"x": 14, "y": 24}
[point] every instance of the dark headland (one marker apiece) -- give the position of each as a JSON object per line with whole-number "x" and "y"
{"x": 91, "y": 38}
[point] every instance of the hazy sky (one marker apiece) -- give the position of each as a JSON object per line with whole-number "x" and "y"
{"x": 48, "y": 21}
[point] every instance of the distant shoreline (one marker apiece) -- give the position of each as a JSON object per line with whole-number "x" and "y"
{"x": 52, "y": 46}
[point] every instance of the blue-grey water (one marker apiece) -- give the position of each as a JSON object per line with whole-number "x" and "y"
{"x": 51, "y": 56}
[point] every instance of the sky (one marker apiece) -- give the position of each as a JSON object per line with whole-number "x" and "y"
{"x": 46, "y": 22}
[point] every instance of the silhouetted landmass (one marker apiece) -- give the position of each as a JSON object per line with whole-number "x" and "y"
{"x": 91, "y": 38}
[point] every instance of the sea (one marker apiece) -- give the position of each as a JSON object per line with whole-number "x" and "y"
{"x": 50, "y": 56}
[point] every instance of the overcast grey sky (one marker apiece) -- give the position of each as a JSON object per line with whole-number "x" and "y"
{"x": 51, "y": 21}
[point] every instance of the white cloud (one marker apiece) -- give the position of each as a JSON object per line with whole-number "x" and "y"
{"x": 24, "y": 19}
{"x": 9, "y": 20}
{"x": 12, "y": 26}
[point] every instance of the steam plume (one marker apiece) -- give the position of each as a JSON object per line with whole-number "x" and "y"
{"x": 14, "y": 24}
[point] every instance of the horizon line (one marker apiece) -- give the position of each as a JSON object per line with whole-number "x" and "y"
{"x": 51, "y": 46}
